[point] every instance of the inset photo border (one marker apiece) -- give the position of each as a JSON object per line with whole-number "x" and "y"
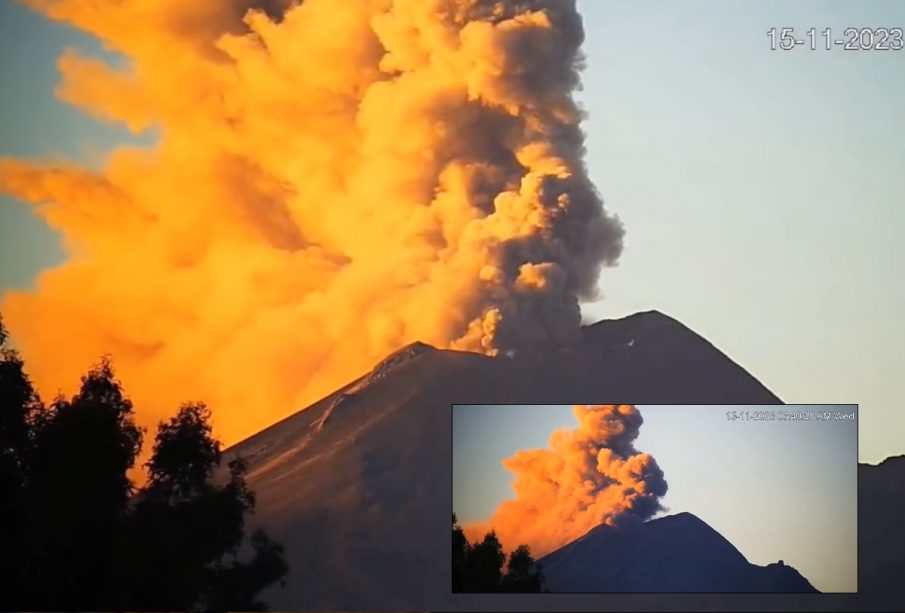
{"x": 655, "y": 498}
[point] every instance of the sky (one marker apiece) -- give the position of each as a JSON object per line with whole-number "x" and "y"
{"x": 759, "y": 189}
{"x": 775, "y": 489}
{"x": 33, "y": 123}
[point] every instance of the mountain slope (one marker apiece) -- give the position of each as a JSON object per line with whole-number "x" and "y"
{"x": 881, "y": 531}
{"x": 357, "y": 486}
{"x": 676, "y": 553}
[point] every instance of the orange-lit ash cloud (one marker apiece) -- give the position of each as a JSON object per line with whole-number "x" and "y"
{"x": 332, "y": 180}
{"x": 589, "y": 475}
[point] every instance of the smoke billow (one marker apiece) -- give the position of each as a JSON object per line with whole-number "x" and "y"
{"x": 590, "y": 475}
{"x": 331, "y": 180}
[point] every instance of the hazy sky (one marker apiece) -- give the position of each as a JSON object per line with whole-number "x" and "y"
{"x": 760, "y": 189}
{"x": 776, "y": 490}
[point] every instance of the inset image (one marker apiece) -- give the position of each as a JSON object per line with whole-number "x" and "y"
{"x": 654, "y": 498}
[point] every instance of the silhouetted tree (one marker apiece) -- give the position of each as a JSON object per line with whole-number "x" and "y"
{"x": 523, "y": 573}
{"x": 76, "y": 534}
{"x": 185, "y": 455}
{"x": 485, "y": 565}
{"x": 479, "y": 567}
{"x": 186, "y": 536}
{"x": 20, "y": 408}
{"x": 460, "y": 550}
{"x": 17, "y": 403}
{"x": 77, "y": 493}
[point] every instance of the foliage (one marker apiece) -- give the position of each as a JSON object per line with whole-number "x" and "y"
{"x": 460, "y": 550}
{"x": 523, "y": 573}
{"x": 75, "y": 531}
{"x": 478, "y": 567}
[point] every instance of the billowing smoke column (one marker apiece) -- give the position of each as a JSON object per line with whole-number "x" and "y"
{"x": 590, "y": 475}
{"x": 331, "y": 180}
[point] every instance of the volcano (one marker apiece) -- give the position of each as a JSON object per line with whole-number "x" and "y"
{"x": 357, "y": 486}
{"x": 676, "y": 553}
{"x": 881, "y": 532}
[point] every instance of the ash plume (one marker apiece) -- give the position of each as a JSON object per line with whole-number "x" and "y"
{"x": 332, "y": 180}
{"x": 589, "y": 475}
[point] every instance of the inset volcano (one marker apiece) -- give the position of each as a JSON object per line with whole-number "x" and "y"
{"x": 676, "y": 553}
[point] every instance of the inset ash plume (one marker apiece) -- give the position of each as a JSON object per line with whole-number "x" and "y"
{"x": 333, "y": 179}
{"x": 590, "y": 475}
